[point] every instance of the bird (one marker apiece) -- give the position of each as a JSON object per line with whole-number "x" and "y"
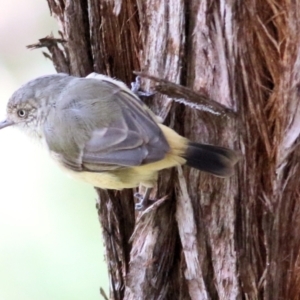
{"x": 101, "y": 132}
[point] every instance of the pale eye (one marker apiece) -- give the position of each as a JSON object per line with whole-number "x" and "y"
{"x": 22, "y": 113}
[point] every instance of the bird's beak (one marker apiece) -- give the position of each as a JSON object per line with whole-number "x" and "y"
{"x": 6, "y": 123}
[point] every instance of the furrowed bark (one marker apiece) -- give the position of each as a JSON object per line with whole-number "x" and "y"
{"x": 206, "y": 237}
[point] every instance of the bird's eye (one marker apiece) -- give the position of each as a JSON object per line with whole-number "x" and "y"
{"x": 22, "y": 113}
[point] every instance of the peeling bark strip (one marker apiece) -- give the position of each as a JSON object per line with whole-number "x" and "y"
{"x": 189, "y": 97}
{"x": 209, "y": 238}
{"x": 57, "y": 56}
{"x": 188, "y": 235}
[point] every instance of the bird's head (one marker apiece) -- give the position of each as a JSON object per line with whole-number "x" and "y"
{"x": 29, "y": 106}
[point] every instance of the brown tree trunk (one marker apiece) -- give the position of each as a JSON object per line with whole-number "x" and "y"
{"x": 206, "y": 238}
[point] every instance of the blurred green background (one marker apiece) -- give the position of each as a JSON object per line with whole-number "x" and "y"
{"x": 50, "y": 238}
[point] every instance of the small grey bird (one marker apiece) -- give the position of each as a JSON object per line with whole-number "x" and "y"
{"x": 98, "y": 130}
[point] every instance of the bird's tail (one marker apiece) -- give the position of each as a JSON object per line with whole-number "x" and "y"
{"x": 218, "y": 161}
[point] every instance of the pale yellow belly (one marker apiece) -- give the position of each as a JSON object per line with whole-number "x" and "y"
{"x": 127, "y": 177}
{"x": 115, "y": 180}
{"x": 134, "y": 176}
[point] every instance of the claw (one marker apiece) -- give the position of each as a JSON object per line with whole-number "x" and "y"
{"x": 139, "y": 207}
{"x": 135, "y": 88}
{"x": 144, "y": 200}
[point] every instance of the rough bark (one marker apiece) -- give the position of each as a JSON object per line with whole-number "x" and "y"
{"x": 206, "y": 238}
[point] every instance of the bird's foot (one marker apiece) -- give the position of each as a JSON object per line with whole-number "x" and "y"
{"x": 144, "y": 201}
{"x": 136, "y": 86}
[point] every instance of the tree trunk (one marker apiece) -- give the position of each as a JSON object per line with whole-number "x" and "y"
{"x": 206, "y": 237}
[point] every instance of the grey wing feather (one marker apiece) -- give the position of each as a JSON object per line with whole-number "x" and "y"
{"x": 107, "y": 129}
{"x": 137, "y": 139}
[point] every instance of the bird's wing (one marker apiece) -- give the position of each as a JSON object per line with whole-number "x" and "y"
{"x": 104, "y": 127}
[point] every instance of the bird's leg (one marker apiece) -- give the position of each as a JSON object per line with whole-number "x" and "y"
{"x": 144, "y": 200}
{"x": 135, "y": 88}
